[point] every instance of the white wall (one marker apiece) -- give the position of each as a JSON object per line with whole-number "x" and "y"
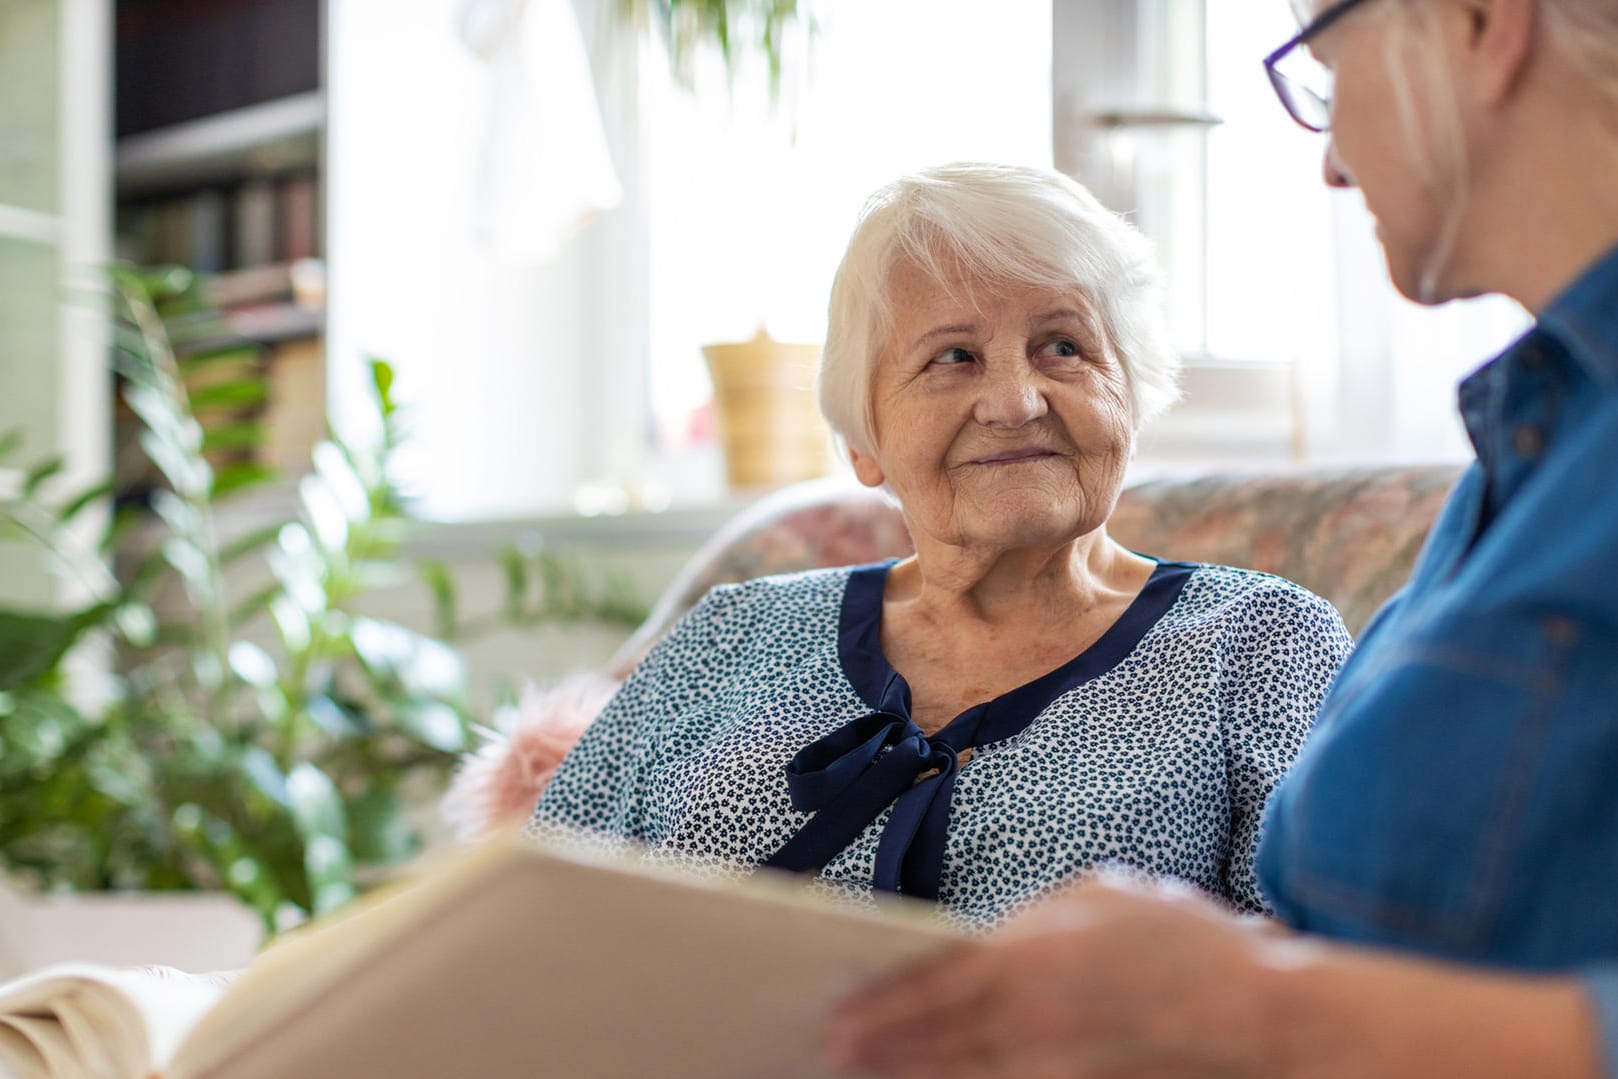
{"x": 55, "y": 205}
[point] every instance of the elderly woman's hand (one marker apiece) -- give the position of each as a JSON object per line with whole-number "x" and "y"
{"x": 1111, "y": 978}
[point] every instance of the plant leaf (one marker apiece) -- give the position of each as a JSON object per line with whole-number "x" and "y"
{"x": 516, "y": 573}
{"x": 232, "y": 436}
{"x": 330, "y": 868}
{"x": 334, "y": 466}
{"x": 435, "y": 724}
{"x": 40, "y": 473}
{"x": 137, "y": 623}
{"x": 254, "y": 605}
{"x": 239, "y": 393}
{"x": 235, "y": 478}
{"x": 423, "y": 666}
{"x": 265, "y": 775}
{"x": 382, "y": 380}
{"x": 249, "y": 542}
{"x": 253, "y": 665}
{"x": 442, "y": 584}
{"x": 83, "y": 500}
{"x": 324, "y": 513}
{"x": 31, "y": 645}
{"x": 317, "y": 808}
{"x": 207, "y": 357}
{"x": 331, "y": 717}
{"x": 378, "y": 827}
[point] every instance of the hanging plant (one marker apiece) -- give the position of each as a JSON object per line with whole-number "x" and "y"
{"x": 737, "y": 28}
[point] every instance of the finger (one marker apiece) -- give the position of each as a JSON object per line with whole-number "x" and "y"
{"x": 907, "y": 1012}
{"x": 946, "y": 982}
{"x": 941, "y": 1049}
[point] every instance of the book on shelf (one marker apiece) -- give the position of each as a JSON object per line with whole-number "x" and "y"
{"x": 294, "y": 415}
{"x": 206, "y": 231}
{"x": 301, "y": 282}
{"x": 253, "y": 223}
{"x": 510, "y": 959}
{"x": 297, "y": 216}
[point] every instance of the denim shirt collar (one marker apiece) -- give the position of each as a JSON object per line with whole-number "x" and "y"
{"x": 1575, "y": 339}
{"x": 1584, "y": 320}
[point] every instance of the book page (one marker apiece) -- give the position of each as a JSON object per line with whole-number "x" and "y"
{"x": 531, "y": 961}
{"x": 19, "y": 1056}
{"x": 80, "y": 1019}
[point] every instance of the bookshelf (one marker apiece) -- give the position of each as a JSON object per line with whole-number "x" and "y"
{"x": 260, "y": 139}
{"x": 220, "y": 115}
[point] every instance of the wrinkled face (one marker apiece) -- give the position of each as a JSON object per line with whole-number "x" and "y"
{"x": 1371, "y": 149}
{"x": 1002, "y": 414}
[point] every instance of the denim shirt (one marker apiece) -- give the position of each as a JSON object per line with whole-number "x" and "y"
{"x": 1459, "y": 795}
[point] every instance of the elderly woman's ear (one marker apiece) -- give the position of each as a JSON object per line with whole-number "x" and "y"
{"x": 866, "y": 468}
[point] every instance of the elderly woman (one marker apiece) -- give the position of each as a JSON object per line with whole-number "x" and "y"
{"x": 1458, "y": 802}
{"x": 1024, "y": 698}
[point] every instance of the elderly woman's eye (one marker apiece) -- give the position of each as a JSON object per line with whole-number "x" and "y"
{"x": 1060, "y": 348}
{"x": 952, "y": 356}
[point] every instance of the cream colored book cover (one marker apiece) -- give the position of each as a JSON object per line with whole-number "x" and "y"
{"x": 511, "y": 959}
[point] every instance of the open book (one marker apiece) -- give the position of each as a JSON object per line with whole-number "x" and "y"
{"x": 510, "y": 959}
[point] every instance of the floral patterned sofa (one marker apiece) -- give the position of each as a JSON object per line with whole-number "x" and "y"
{"x": 1349, "y": 535}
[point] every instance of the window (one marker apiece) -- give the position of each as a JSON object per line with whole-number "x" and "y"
{"x": 1297, "y": 348}
{"x": 580, "y": 382}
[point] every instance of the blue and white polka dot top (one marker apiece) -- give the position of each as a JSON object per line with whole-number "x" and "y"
{"x": 768, "y": 728}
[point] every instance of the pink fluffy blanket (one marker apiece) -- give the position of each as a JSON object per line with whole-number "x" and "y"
{"x": 495, "y": 788}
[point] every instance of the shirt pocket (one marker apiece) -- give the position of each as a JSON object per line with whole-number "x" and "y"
{"x": 1403, "y": 821}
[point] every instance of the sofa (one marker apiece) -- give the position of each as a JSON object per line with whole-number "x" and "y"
{"x": 1349, "y": 534}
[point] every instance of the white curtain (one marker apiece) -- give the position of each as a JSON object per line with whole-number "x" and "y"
{"x": 545, "y": 169}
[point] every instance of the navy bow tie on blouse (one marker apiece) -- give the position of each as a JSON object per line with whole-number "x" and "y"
{"x": 847, "y": 778}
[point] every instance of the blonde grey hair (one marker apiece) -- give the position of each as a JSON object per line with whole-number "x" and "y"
{"x": 1003, "y": 224}
{"x": 1583, "y": 31}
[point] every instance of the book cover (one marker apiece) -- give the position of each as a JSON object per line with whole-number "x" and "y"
{"x": 511, "y": 959}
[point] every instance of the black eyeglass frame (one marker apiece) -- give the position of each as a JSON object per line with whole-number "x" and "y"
{"x": 1285, "y": 87}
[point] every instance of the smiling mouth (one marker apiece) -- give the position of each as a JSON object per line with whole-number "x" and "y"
{"x": 1015, "y": 457}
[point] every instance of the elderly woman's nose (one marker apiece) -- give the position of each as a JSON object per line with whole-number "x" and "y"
{"x": 1010, "y": 397}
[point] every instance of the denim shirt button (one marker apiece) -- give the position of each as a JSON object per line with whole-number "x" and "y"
{"x": 1528, "y": 440}
{"x": 1560, "y": 630}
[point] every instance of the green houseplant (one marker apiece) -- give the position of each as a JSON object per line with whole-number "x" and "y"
{"x": 733, "y": 27}
{"x": 269, "y": 743}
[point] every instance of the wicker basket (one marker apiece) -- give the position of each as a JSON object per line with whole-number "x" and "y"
{"x": 769, "y": 421}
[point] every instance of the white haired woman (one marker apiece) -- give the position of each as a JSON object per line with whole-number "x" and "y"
{"x": 1023, "y": 699}
{"x": 1458, "y": 801}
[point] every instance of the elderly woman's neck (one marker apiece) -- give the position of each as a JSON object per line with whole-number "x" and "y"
{"x": 997, "y": 586}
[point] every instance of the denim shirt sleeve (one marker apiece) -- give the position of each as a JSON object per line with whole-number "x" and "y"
{"x": 1602, "y": 985}
{"x": 1457, "y": 796}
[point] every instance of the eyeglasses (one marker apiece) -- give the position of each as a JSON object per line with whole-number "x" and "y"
{"x": 1305, "y": 86}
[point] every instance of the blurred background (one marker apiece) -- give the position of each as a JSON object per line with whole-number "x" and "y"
{"x": 592, "y": 242}
{"x": 540, "y": 212}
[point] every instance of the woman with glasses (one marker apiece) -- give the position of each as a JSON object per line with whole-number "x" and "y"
{"x": 1444, "y": 854}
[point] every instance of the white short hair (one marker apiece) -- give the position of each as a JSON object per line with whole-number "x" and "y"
{"x": 1005, "y": 224}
